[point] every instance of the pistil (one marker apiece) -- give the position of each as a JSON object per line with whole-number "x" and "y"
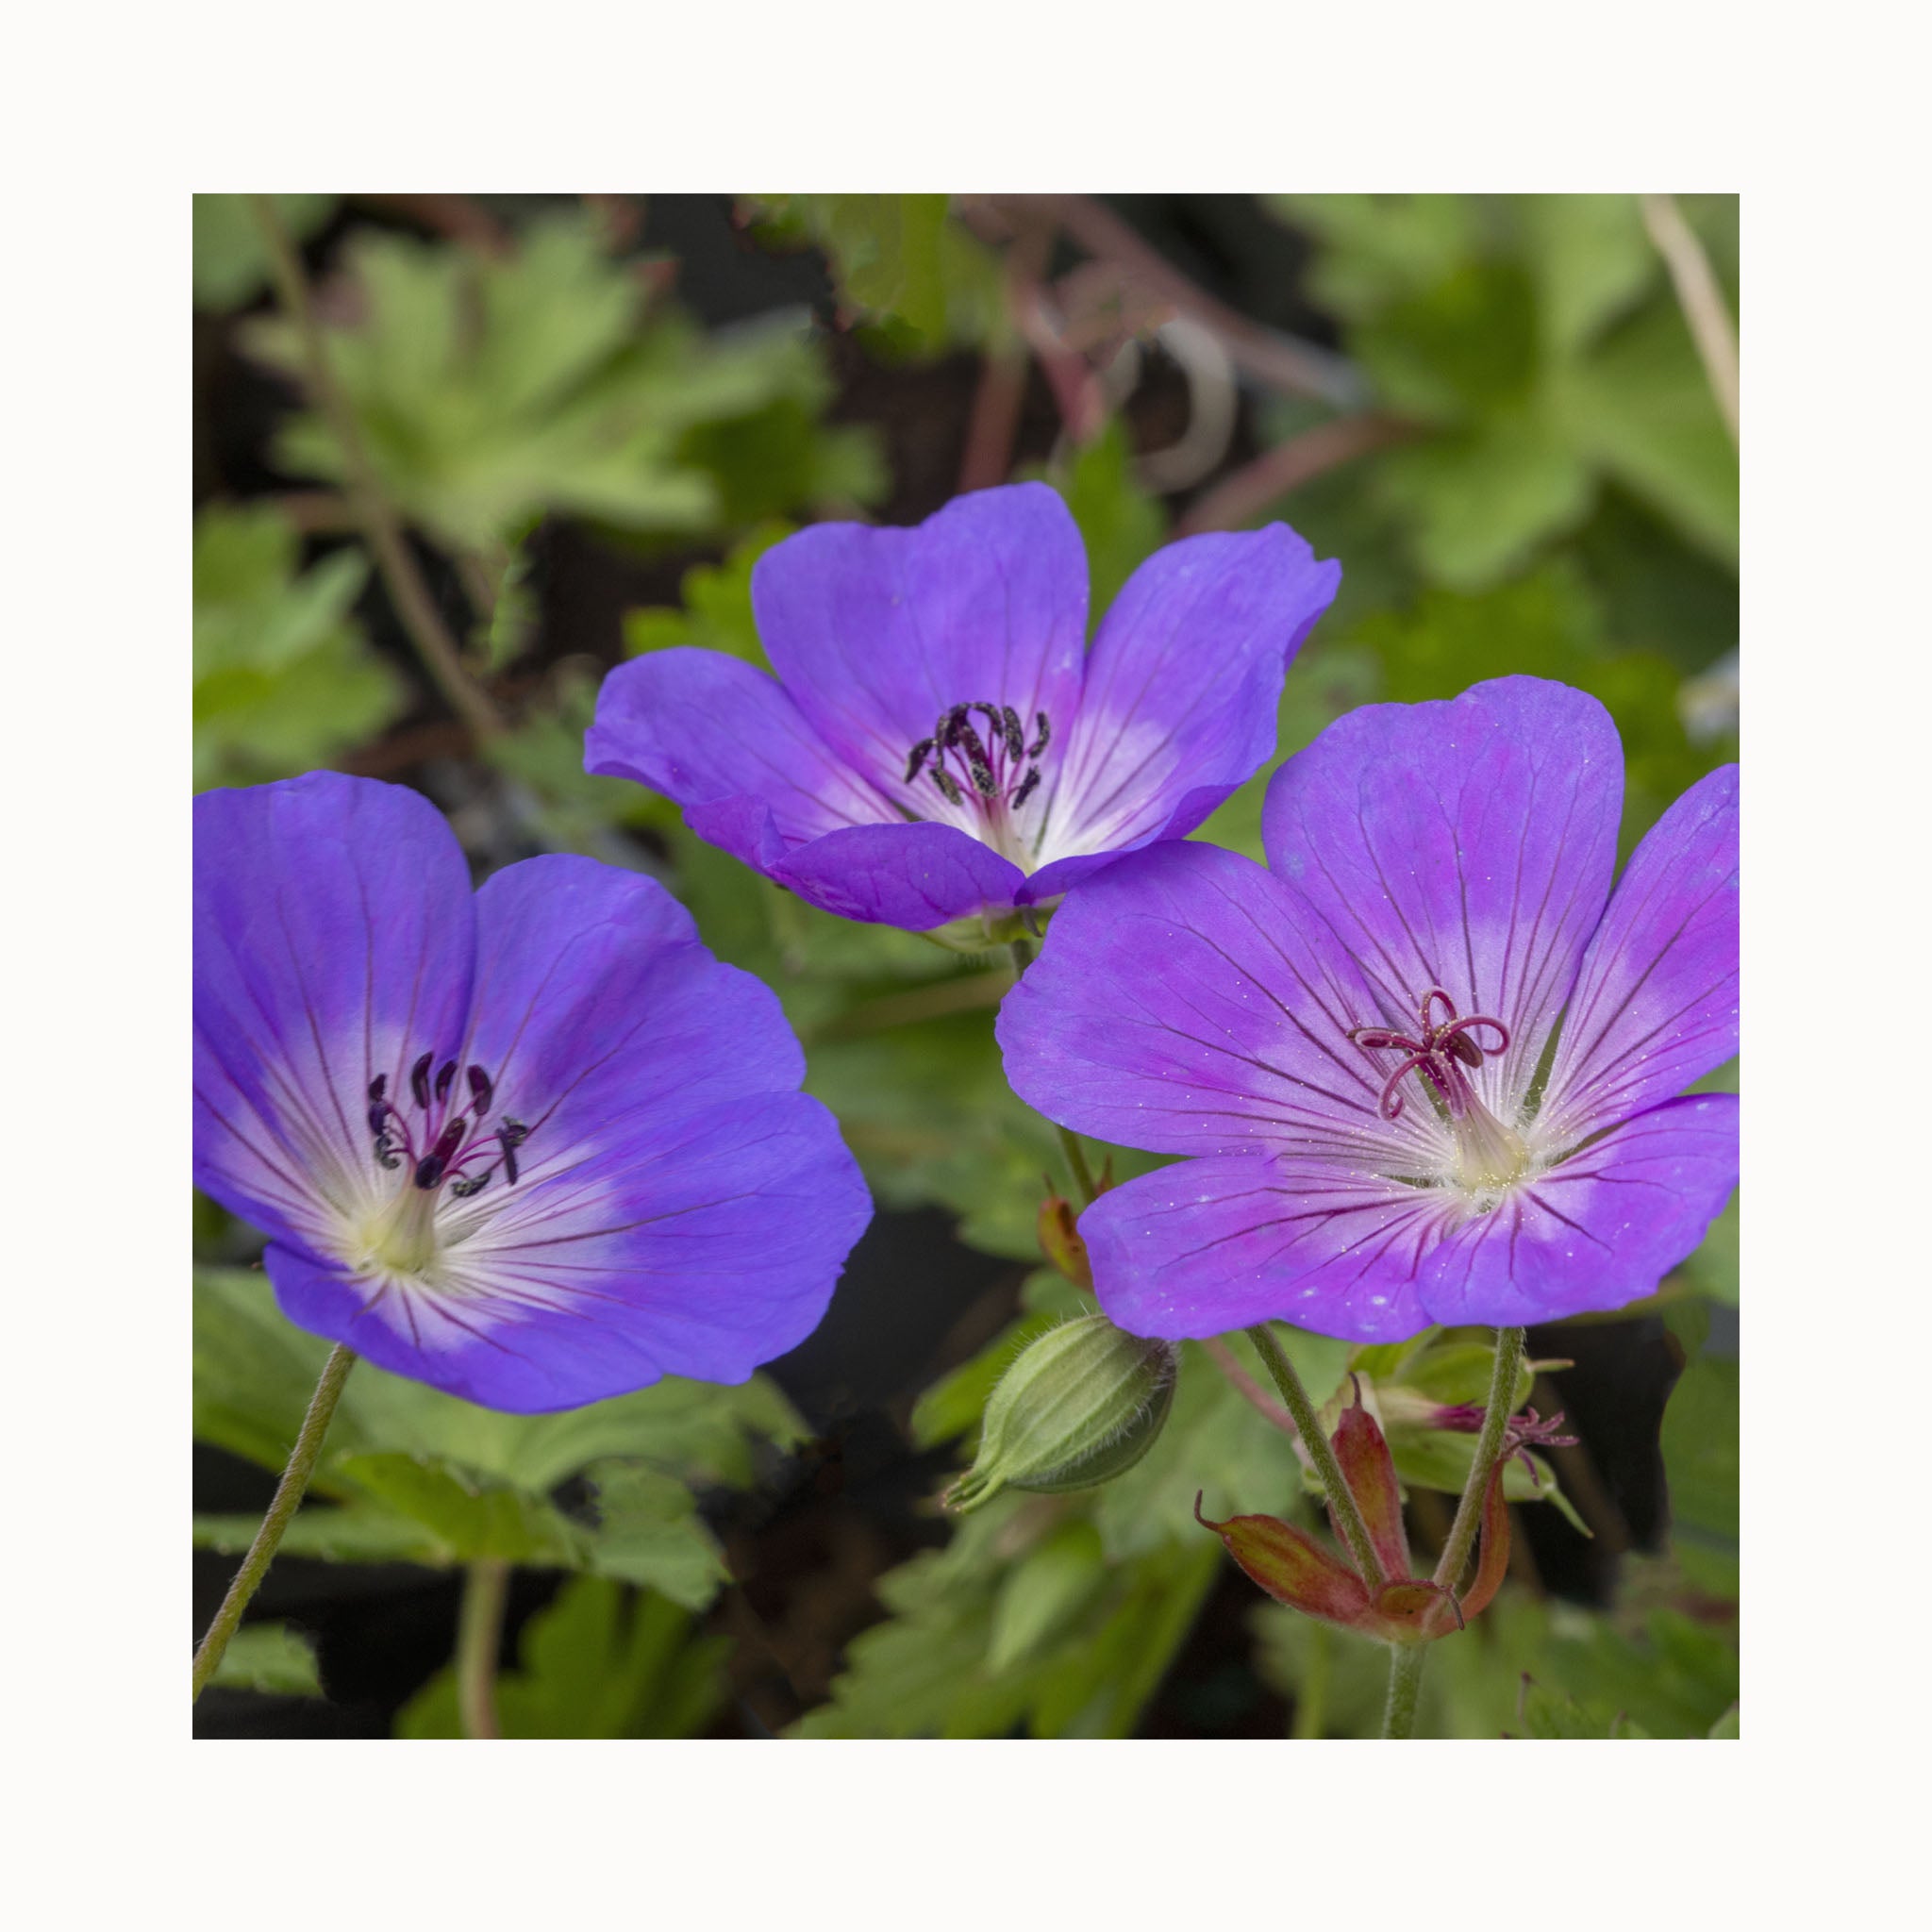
{"x": 1489, "y": 1155}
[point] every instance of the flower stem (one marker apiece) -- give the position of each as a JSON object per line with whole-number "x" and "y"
{"x": 373, "y": 516}
{"x": 1489, "y": 1445}
{"x": 268, "y": 1539}
{"x": 1404, "y": 1688}
{"x": 1341, "y": 1498}
{"x": 479, "y": 1639}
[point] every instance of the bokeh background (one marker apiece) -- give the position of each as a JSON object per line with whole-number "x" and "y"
{"x": 457, "y": 456}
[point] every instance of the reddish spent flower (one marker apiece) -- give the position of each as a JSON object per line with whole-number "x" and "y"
{"x": 1397, "y": 1607}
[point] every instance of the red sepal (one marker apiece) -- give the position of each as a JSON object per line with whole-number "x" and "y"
{"x": 1368, "y": 1470}
{"x": 1293, "y": 1568}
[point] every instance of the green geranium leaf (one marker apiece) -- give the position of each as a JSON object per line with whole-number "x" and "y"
{"x": 270, "y": 1657}
{"x": 283, "y": 681}
{"x": 230, "y": 261}
{"x": 1700, "y": 1446}
{"x": 648, "y": 1532}
{"x": 354, "y": 1533}
{"x": 472, "y": 1516}
{"x": 491, "y": 390}
{"x": 601, "y": 1661}
{"x": 902, "y": 261}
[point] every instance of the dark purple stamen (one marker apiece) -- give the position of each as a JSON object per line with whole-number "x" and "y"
{"x": 988, "y": 770}
{"x": 434, "y": 1142}
{"x": 1434, "y": 1056}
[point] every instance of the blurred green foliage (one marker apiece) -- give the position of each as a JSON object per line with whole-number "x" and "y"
{"x": 283, "y": 680}
{"x": 489, "y": 391}
{"x": 598, "y": 1662}
{"x": 1564, "y": 503}
{"x": 411, "y": 1474}
{"x": 230, "y": 263}
{"x": 1537, "y": 339}
{"x": 270, "y": 1657}
{"x": 901, "y": 262}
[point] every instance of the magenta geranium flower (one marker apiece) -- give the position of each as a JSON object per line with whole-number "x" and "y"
{"x": 938, "y": 744}
{"x": 1428, "y": 1066}
{"x": 532, "y": 1146}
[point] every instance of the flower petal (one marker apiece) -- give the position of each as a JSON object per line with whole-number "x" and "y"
{"x": 878, "y": 632}
{"x": 1465, "y": 844}
{"x": 702, "y": 1252}
{"x": 1598, "y": 1231}
{"x": 1656, "y": 1007}
{"x": 333, "y": 941}
{"x": 1188, "y": 1003}
{"x": 596, "y": 1005}
{"x": 1209, "y": 1245}
{"x": 911, "y": 875}
{"x": 724, "y": 741}
{"x": 1178, "y": 707}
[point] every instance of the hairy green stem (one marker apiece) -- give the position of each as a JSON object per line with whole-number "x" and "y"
{"x": 1404, "y": 1688}
{"x": 377, "y": 521}
{"x": 268, "y": 1539}
{"x": 1341, "y": 1498}
{"x": 479, "y": 1639}
{"x": 1489, "y": 1446}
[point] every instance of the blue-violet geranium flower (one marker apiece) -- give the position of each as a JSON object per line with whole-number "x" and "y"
{"x": 1427, "y": 1066}
{"x": 938, "y": 744}
{"x": 532, "y": 1146}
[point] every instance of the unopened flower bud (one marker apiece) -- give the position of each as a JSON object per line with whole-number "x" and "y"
{"x": 1081, "y": 1405}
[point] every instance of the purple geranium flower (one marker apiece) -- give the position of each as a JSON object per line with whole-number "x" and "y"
{"x": 938, "y": 744}
{"x": 532, "y": 1146}
{"x": 1427, "y": 1066}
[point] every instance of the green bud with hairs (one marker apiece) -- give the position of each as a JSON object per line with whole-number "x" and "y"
{"x": 1082, "y": 1405}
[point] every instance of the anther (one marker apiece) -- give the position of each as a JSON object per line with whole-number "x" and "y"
{"x": 508, "y": 1144}
{"x": 948, "y": 789}
{"x": 444, "y": 1074}
{"x": 915, "y": 759}
{"x": 419, "y": 1079}
{"x": 378, "y": 1087}
{"x": 481, "y": 1091}
{"x": 1016, "y": 739}
{"x": 995, "y": 721}
{"x": 1045, "y": 731}
{"x": 1026, "y": 791}
{"x": 471, "y": 1184}
{"x": 386, "y": 1154}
